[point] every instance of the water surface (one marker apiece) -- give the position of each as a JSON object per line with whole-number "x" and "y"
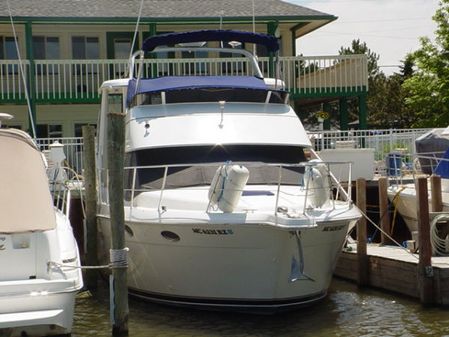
{"x": 347, "y": 311}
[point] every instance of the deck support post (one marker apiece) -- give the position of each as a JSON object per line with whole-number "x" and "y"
{"x": 118, "y": 281}
{"x": 436, "y": 196}
{"x": 385, "y": 224}
{"x": 90, "y": 199}
{"x": 362, "y": 257}
{"x": 31, "y": 85}
{"x": 343, "y": 110}
{"x": 425, "y": 271}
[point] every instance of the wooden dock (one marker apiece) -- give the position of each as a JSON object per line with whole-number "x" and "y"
{"x": 394, "y": 269}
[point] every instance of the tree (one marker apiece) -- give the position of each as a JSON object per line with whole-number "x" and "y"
{"x": 428, "y": 88}
{"x": 358, "y": 47}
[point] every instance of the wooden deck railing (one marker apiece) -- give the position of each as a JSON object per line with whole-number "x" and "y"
{"x": 71, "y": 81}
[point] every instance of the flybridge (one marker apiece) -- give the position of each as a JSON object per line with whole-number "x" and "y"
{"x": 226, "y": 88}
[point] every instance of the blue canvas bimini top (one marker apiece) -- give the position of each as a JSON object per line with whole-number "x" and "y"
{"x": 269, "y": 41}
{"x": 171, "y": 83}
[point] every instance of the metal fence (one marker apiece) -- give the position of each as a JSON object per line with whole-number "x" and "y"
{"x": 384, "y": 142}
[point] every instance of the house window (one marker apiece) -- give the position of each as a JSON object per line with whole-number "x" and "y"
{"x": 85, "y": 48}
{"x": 46, "y": 48}
{"x": 49, "y": 131}
{"x": 8, "y": 51}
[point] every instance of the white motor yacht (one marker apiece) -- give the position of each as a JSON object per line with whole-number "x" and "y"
{"x": 39, "y": 257}
{"x": 223, "y": 209}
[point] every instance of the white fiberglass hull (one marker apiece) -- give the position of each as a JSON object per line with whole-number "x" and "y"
{"x": 36, "y": 307}
{"x": 404, "y": 197}
{"x": 38, "y": 298}
{"x": 232, "y": 265}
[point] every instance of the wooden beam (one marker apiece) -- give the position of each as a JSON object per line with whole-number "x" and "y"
{"x": 425, "y": 270}
{"x": 90, "y": 199}
{"x": 118, "y": 284}
{"x": 362, "y": 275}
{"x": 385, "y": 224}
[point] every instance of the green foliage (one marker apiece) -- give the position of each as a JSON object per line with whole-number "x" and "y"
{"x": 427, "y": 90}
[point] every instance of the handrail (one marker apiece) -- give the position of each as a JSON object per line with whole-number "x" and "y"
{"x": 161, "y": 190}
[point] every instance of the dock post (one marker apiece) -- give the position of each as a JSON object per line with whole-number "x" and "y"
{"x": 118, "y": 281}
{"x": 362, "y": 257}
{"x": 385, "y": 224}
{"x": 425, "y": 271}
{"x": 436, "y": 197}
{"x": 90, "y": 199}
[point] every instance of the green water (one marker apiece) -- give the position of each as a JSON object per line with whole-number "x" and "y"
{"x": 347, "y": 311}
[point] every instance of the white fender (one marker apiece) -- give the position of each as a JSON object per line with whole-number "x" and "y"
{"x": 227, "y": 186}
{"x": 315, "y": 178}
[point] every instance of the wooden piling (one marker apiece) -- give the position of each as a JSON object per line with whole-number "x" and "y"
{"x": 90, "y": 199}
{"x": 119, "y": 290}
{"x": 363, "y": 268}
{"x": 436, "y": 196}
{"x": 425, "y": 270}
{"x": 385, "y": 224}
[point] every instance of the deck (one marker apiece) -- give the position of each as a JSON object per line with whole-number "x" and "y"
{"x": 395, "y": 269}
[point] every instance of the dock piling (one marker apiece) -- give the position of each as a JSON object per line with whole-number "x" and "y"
{"x": 425, "y": 270}
{"x": 362, "y": 257}
{"x": 385, "y": 224}
{"x": 436, "y": 196}
{"x": 118, "y": 282}
{"x": 90, "y": 199}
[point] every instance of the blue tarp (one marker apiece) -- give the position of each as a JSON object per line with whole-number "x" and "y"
{"x": 269, "y": 41}
{"x": 443, "y": 166}
{"x": 170, "y": 83}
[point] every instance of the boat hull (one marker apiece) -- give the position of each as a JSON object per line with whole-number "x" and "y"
{"x": 405, "y": 202}
{"x": 240, "y": 266}
{"x": 36, "y": 308}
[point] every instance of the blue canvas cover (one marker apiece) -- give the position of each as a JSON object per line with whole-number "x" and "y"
{"x": 269, "y": 41}
{"x": 170, "y": 83}
{"x": 443, "y": 166}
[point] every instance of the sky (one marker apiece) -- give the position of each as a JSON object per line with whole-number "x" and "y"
{"x": 390, "y": 28}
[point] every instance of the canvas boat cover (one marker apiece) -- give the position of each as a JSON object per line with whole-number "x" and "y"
{"x": 431, "y": 144}
{"x": 170, "y": 83}
{"x": 25, "y": 200}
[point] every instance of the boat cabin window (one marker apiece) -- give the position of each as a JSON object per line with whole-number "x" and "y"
{"x": 212, "y": 95}
{"x": 253, "y": 156}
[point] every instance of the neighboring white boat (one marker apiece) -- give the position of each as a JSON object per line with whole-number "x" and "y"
{"x": 432, "y": 158}
{"x": 39, "y": 256}
{"x": 222, "y": 208}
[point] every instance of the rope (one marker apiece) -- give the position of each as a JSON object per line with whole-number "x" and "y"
{"x": 118, "y": 258}
{"x": 22, "y": 73}
{"x": 386, "y": 234}
{"x": 439, "y": 246}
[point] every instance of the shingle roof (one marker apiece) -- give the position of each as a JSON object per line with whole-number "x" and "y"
{"x": 157, "y": 9}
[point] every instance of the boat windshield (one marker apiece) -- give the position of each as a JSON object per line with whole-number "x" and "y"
{"x": 253, "y": 156}
{"x": 212, "y": 95}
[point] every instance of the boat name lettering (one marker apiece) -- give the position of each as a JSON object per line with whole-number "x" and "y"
{"x": 333, "y": 228}
{"x": 213, "y": 231}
